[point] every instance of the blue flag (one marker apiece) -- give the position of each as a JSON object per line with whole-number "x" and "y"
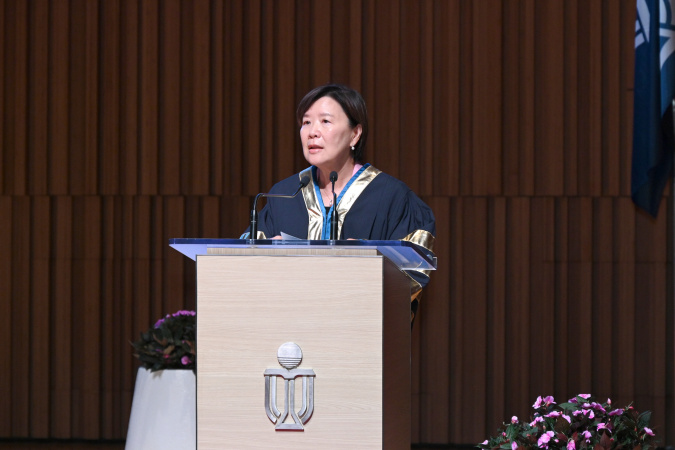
{"x": 653, "y": 142}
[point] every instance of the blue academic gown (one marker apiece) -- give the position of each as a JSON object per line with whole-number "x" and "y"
{"x": 372, "y": 206}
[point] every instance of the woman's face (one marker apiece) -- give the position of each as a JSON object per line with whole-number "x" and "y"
{"x": 326, "y": 135}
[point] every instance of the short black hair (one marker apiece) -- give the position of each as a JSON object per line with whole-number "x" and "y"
{"x": 352, "y": 104}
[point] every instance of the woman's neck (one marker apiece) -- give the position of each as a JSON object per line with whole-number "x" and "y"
{"x": 344, "y": 175}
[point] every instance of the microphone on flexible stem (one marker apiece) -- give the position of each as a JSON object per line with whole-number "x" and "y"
{"x": 334, "y": 216}
{"x": 253, "y": 229}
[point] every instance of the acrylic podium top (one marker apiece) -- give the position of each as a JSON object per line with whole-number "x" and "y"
{"x": 405, "y": 255}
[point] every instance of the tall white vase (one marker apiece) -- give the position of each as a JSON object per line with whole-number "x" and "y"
{"x": 163, "y": 411}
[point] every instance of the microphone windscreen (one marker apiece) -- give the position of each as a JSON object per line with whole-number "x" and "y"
{"x": 333, "y": 176}
{"x": 304, "y": 181}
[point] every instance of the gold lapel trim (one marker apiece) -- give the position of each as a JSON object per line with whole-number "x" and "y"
{"x": 353, "y": 193}
{"x": 314, "y": 207}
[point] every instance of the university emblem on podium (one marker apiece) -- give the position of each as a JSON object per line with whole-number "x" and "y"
{"x": 289, "y": 356}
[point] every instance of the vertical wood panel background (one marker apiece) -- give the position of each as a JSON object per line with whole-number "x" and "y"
{"x": 126, "y": 123}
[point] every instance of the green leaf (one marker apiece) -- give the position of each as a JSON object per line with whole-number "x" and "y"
{"x": 644, "y": 418}
{"x": 567, "y": 406}
{"x": 512, "y": 431}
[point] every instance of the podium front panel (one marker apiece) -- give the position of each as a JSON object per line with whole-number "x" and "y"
{"x": 343, "y": 312}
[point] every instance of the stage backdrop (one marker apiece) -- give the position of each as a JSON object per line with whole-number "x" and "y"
{"x": 125, "y": 123}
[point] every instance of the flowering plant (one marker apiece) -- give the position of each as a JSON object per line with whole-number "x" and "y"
{"x": 579, "y": 423}
{"x": 170, "y": 344}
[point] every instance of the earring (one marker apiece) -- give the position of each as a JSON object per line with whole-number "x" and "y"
{"x": 353, "y": 148}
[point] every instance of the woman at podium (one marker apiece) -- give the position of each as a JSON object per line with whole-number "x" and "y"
{"x": 345, "y": 197}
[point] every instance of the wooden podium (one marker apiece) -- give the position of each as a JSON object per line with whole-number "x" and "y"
{"x": 345, "y": 307}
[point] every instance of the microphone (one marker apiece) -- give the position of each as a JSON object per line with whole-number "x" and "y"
{"x": 334, "y": 216}
{"x": 253, "y": 229}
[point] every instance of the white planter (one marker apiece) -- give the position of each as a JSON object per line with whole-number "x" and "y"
{"x": 163, "y": 411}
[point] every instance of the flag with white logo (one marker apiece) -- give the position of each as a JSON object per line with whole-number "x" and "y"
{"x": 653, "y": 141}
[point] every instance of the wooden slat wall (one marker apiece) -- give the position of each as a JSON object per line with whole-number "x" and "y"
{"x": 126, "y": 123}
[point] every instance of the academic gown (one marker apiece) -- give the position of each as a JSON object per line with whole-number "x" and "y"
{"x": 372, "y": 206}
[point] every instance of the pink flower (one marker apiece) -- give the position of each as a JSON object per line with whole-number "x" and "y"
{"x": 537, "y": 404}
{"x": 544, "y": 439}
{"x": 514, "y": 419}
{"x": 536, "y": 420}
{"x": 602, "y": 426}
{"x": 587, "y": 434}
{"x": 546, "y": 401}
{"x": 585, "y": 412}
{"x": 574, "y": 400}
{"x": 571, "y": 445}
{"x": 567, "y": 418}
{"x": 514, "y": 445}
{"x": 553, "y": 414}
{"x": 182, "y": 312}
{"x": 597, "y": 406}
{"x": 616, "y": 412}
{"x": 649, "y": 431}
{"x": 185, "y": 360}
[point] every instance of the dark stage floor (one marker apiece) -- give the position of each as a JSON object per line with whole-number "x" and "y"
{"x": 60, "y": 445}
{"x": 119, "y": 445}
